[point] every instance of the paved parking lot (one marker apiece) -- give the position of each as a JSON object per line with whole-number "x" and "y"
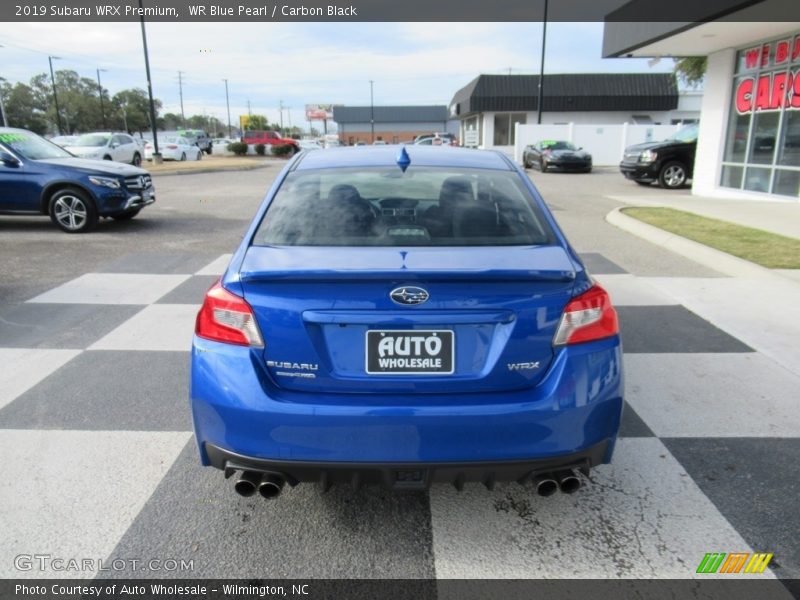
{"x": 99, "y": 459}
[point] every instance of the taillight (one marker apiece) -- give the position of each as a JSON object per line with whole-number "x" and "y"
{"x": 225, "y": 317}
{"x": 172, "y": 146}
{"x": 587, "y": 317}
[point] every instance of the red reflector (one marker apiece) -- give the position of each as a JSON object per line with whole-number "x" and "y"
{"x": 225, "y": 317}
{"x": 586, "y": 318}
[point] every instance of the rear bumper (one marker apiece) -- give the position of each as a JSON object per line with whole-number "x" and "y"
{"x": 574, "y": 408}
{"x": 409, "y": 476}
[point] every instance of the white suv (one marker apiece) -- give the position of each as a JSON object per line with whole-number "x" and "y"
{"x": 107, "y": 146}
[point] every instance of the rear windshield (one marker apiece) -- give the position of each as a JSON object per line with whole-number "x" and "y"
{"x": 385, "y": 207}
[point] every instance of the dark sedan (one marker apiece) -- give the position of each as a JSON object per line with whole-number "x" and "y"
{"x": 557, "y": 154}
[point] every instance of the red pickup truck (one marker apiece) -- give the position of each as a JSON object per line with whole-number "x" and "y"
{"x": 268, "y": 138}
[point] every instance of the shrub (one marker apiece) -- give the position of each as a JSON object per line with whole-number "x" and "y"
{"x": 260, "y": 149}
{"x": 238, "y": 148}
{"x": 283, "y": 150}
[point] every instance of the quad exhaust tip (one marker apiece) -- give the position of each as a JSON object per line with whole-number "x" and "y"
{"x": 247, "y": 484}
{"x": 545, "y": 485}
{"x": 568, "y": 482}
{"x": 269, "y": 485}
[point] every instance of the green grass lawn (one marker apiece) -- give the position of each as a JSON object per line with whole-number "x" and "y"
{"x": 761, "y": 247}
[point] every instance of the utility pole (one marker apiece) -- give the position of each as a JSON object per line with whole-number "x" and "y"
{"x": 280, "y": 108}
{"x": 541, "y": 68}
{"x": 249, "y": 114}
{"x": 156, "y": 154}
{"x": 371, "y": 112}
{"x": 180, "y": 93}
{"x": 228, "y": 104}
{"x": 4, "y": 121}
{"x": 55, "y": 94}
{"x": 100, "y": 91}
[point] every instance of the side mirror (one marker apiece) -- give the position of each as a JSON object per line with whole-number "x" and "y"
{"x": 8, "y": 160}
{"x": 114, "y": 145}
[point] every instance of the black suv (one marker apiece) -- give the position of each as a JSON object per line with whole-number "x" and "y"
{"x": 669, "y": 162}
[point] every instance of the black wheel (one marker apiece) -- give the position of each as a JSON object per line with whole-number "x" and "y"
{"x": 137, "y": 159}
{"x": 647, "y": 183}
{"x": 72, "y": 211}
{"x": 673, "y": 175}
{"x": 106, "y": 157}
{"x": 199, "y": 155}
{"x": 209, "y": 150}
{"x": 543, "y": 165}
{"x": 126, "y": 216}
{"x": 183, "y": 156}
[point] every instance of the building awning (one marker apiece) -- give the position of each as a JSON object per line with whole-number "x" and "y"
{"x": 567, "y": 92}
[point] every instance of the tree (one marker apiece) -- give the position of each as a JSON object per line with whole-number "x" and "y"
{"x": 131, "y": 110}
{"x": 257, "y": 123}
{"x": 691, "y": 70}
{"x": 23, "y": 108}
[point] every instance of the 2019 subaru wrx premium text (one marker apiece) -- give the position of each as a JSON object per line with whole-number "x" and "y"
{"x": 405, "y": 319}
{"x": 38, "y": 177}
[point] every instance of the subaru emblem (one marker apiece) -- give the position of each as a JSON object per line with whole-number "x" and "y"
{"x": 409, "y": 295}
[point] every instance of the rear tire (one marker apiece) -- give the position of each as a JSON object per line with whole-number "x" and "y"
{"x": 199, "y": 155}
{"x": 183, "y": 156}
{"x": 72, "y": 211}
{"x": 542, "y": 165}
{"x": 137, "y": 160}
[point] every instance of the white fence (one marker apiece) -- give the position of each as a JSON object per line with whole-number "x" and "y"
{"x": 606, "y": 143}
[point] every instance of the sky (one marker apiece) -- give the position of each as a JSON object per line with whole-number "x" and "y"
{"x": 303, "y": 63}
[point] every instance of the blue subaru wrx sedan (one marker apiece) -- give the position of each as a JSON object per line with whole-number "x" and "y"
{"x": 401, "y": 317}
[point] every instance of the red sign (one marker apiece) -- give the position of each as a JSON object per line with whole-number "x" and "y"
{"x": 787, "y": 50}
{"x": 771, "y": 91}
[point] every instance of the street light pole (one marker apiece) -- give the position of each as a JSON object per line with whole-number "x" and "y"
{"x": 50, "y": 59}
{"x": 2, "y": 107}
{"x": 156, "y": 153}
{"x": 228, "y": 104}
{"x": 541, "y": 67}
{"x": 371, "y": 112}
{"x": 100, "y": 90}
{"x": 4, "y": 122}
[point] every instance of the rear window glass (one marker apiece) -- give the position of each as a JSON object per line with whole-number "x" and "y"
{"x": 386, "y": 207}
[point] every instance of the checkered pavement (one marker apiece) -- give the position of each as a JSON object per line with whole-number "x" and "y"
{"x": 99, "y": 459}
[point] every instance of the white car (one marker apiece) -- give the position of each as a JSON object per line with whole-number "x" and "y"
{"x": 220, "y": 146}
{"x": 64, "y": 140}
{"x": 309, "y": 145}
{"x": 174, "y": 147}
{"x": 107, "y": 146}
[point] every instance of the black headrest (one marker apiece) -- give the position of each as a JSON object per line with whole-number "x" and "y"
{"x": 456, "y": 190}
{"x": 343, "y": 192}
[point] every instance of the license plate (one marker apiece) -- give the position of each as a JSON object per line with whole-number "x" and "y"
{"x": 414, "y": 352}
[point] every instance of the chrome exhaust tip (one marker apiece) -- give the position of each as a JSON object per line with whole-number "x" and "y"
{"x": 271, "y": 486}
{"x": 545, "y": 485}
{"x": 568, "y": 482}
{"x": 247, "y": 484}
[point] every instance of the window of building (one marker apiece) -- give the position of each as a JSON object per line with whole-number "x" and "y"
{"x": 762, "y": 142}
{"x": 504, "y": 126}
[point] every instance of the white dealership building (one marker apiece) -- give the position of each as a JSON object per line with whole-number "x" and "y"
{"x": 749, "y": 138}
